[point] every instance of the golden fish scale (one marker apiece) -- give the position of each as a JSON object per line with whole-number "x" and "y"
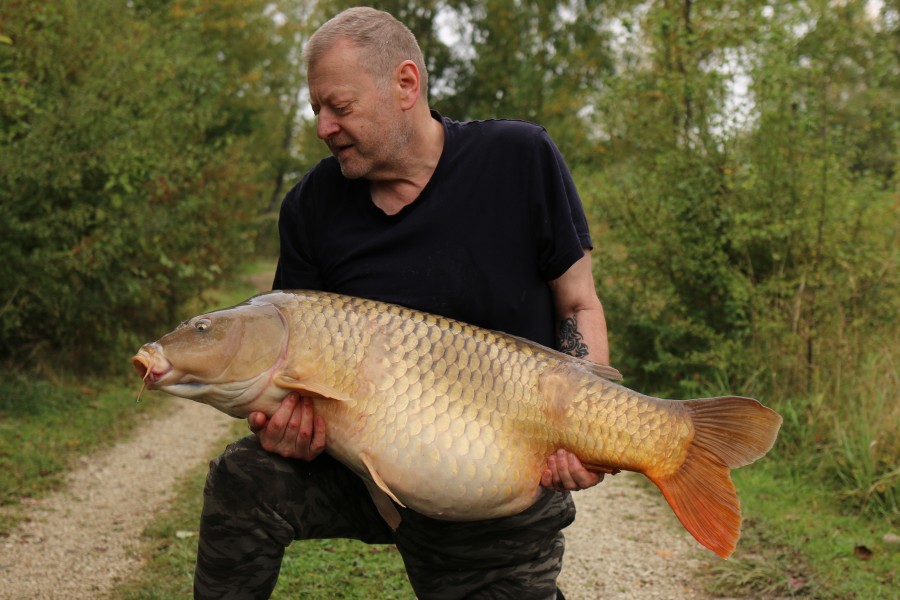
{"x": 465, "y": 408}
{"x": 629, "y": 430}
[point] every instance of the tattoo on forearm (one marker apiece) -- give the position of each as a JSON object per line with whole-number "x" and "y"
{"x": 570, "y": 339}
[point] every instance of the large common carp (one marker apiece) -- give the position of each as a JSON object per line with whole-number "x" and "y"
{"x": 454, "y": 421}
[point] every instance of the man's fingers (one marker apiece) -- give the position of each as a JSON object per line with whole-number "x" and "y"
{"x": 563, "y": 462}
{"x": 303, "y": 423}
{"x": 547, "y": 475}
{"x": 582, "y": 477}
{"x": 256, "y": 421}
{"x": 317, "y": 445}
{"x": 282, "y": 415}
{"x": 271, "y": 437}
{"x": 564, "y": 471}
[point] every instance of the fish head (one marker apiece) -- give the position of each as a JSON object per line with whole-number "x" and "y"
{"x": 225, "y": 358}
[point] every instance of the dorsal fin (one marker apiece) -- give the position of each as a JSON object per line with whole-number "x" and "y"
{"x": 604, "y": 371}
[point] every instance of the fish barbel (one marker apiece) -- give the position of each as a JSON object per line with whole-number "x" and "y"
{"x": 454, "y": 421}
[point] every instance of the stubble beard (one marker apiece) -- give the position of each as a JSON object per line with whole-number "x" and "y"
{"x": 383, "y": 154}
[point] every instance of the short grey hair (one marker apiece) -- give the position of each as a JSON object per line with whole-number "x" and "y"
{"x": 383, "y": 41}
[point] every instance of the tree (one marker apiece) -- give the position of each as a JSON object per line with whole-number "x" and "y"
{"x": 137, "y": 153}
{"x": 729, "y": 236}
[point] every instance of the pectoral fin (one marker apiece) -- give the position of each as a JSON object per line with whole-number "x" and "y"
{"x": 291, "y": 381}
{"x": 377, "y": 478}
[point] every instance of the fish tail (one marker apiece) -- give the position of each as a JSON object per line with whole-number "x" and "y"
{"x": 729, "y": 432}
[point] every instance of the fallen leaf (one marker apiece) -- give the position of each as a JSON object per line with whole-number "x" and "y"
{"x": 862, "y": 552}
{"x": 795, "y": 583}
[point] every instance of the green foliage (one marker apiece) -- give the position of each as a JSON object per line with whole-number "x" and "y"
{"x": 134, "y": 160}
{"x": 851, "y": 445}
{"x": 537, "y": 60}
{"x": 759, "y": 255}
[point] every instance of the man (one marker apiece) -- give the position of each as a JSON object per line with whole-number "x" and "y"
{"x": 476, "y": 221}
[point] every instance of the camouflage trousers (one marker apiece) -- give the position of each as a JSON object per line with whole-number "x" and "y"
{"x": 257, "y": 503}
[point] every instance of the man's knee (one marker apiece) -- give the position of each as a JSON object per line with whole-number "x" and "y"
{"x": 243, "y": 477}
{"x": 242, "y": 506}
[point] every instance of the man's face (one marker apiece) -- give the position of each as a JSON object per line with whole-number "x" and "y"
{"x": 361, "y": 124}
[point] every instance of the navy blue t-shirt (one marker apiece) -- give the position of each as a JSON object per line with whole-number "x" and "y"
{"x": 499, "y": 218}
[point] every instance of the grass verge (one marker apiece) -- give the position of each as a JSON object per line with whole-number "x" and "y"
{"x": 799, "y": 540}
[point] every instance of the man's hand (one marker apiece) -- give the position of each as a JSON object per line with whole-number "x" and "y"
{"x": 565, "y": 472}
{"x": 294, "y": 431}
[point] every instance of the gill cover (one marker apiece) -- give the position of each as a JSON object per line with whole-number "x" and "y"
{"x": 234, "y": 344}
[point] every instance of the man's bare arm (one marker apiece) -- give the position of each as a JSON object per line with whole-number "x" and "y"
{"x": 581, "y": 332}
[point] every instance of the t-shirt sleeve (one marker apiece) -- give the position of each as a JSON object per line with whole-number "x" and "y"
{"x": 296, "y": 267}
{"x": 561, "y": 225}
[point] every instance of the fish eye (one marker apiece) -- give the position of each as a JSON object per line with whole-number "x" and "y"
{"x": 202, "y": 325}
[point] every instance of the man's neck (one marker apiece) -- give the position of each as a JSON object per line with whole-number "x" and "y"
{"x": 392, "y": 194}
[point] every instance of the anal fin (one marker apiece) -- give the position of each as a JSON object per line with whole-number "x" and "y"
{"x": 598, "y": 468}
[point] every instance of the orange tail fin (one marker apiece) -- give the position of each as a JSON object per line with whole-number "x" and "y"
{"x": 729, "y": 432}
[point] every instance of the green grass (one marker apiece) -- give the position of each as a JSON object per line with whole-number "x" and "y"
{"x": 798, "y": 539}
{"x": 822, "y": 508}
{"x": 343, "y": 569}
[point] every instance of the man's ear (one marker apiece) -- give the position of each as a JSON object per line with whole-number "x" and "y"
{"x": 408, "y": 84}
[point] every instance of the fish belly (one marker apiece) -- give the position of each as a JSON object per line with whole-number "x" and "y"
{"x": 441, "y": 475}
{"x": 447, "y": 414}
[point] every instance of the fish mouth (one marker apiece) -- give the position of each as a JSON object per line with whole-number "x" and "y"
{"x": 150, "y": 364}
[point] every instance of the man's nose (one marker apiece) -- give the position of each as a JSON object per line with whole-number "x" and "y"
{"x": 326, "y": 126}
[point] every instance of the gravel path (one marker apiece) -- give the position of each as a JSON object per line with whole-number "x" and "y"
{"x": 79, "y": 542}
{"x": 627, "y": 543}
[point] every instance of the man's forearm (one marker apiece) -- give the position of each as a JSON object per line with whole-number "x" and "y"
{"x": 583, "y": 334}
